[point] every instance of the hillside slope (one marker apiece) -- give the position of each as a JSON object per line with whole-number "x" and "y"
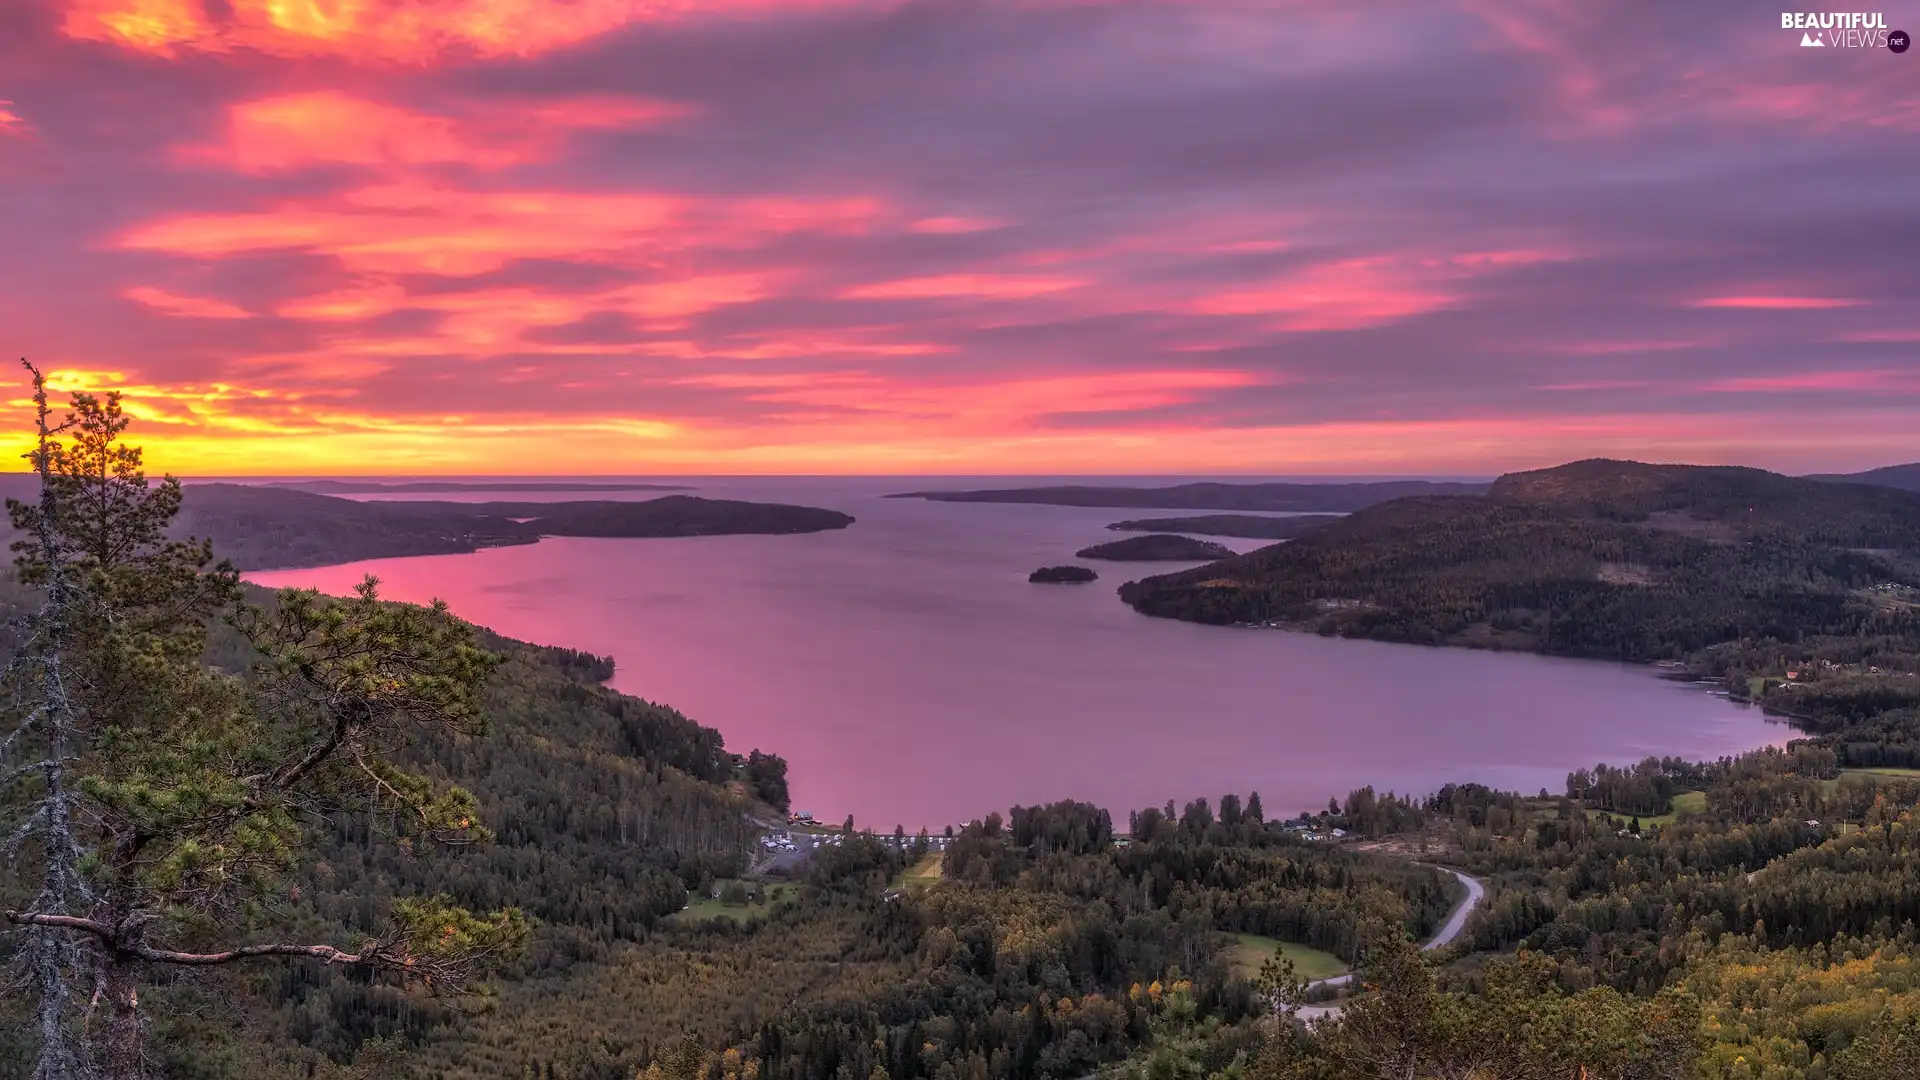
{"x": 606, "y": 808}
{"x": 1904, "y": 477}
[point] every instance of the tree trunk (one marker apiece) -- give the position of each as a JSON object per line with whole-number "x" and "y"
{"x": 123, "y": 1038}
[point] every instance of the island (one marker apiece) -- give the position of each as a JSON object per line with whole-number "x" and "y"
{"x": 1248, "y": 526}
{"x": 671, "y": 515}
{"x": 1062, "y": 575}
{"x": 1332, "y": 498}
{"x": 1159, "y": 547}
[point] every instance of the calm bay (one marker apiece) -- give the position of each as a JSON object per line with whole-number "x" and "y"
{"x": 910, "y": 674}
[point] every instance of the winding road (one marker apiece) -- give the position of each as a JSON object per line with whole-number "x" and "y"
{"x": 1449, "y": 932}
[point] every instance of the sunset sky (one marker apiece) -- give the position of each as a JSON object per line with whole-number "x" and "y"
{"x": 977, "y": 236}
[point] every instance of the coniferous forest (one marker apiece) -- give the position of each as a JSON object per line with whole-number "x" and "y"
{"x": 254, "y": 835}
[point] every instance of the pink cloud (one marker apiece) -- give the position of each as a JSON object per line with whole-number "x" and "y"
{"x": 1009, "y": 402}
{"x": 12, "y": 123}
{"x": 1596, "y": 384}
{"x": 1880, "y": 336}
{"x": 971, "y": 286}
{"x": 948, "y": 226}
{"x": 1826, "y": 106}
{"x": 1609, "y": 348}
{"x": 1777, "y": 303}
{"x": 416, "y": 227}
{"x": 1818, "y": 380}
{"x": 329, "y": 127}
{"x": 186, "y": 307}
{"x": 390, "y": 31}
{"x": 1586, "y": 89}
{"x": 1348, "y": 295}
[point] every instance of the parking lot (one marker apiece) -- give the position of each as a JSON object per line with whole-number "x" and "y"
{"x": 787, "y": 850}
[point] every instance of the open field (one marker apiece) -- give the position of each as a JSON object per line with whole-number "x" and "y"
{"x": 1252, "y": 950}
{"x": 1687, "y": 802}
{"x": 702, "y": 908}
{"x": 1890, "y": 773}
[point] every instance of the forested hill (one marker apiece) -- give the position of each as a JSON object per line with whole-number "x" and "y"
{"x": 1331, "y": 498}
{"x": 1905, "y": 477}
{"x": 1722, "y": 502}
{"x": 1596, "y": 558}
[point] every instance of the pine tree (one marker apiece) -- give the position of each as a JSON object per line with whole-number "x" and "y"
{"x": 161, "y": 798}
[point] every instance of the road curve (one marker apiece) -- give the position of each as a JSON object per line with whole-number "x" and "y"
{"x": 1449, "y": 932}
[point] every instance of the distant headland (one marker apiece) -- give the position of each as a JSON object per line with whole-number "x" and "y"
{"x": 1333, "y": 498}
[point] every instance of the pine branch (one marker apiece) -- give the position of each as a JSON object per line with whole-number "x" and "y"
{"x": 387, "y": 955}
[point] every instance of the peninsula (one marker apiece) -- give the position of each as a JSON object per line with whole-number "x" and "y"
{"x": 266, "y": 528}
{"x": 1610, "y": 559}
{"x": 1158, "y": 547}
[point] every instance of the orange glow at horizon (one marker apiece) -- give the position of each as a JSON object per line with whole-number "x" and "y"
{"x": 219, "y": 429}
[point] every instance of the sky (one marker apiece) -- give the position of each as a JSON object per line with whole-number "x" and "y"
{"x": 968, "y": 236}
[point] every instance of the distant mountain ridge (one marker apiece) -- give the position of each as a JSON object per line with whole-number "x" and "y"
{"x": 1904, "y": 477}
{"x": 1212, "y": 495}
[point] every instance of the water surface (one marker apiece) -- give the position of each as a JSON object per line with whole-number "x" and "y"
{"x": 910, "y": 674}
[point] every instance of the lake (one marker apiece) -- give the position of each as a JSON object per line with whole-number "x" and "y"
{"x": 910, "y": 675}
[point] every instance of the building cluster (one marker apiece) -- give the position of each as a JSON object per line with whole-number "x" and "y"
{"x": 1309, "y": 829}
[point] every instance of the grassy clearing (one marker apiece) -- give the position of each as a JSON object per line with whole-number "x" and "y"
{"x": 1687, "y": 802}
{"x": 701, "y": 908}
{"x": 1252, "y": 950}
